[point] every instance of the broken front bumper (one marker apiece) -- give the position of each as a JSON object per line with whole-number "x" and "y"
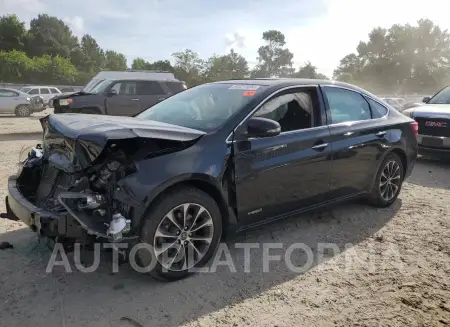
{"x": 43, "y": 222}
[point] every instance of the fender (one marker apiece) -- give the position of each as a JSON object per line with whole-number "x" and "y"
{"x": 385, "y": 154}
{"x": 211, "y": 184}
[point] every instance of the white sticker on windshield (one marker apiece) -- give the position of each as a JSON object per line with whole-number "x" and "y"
{"x": 246, "y": 87}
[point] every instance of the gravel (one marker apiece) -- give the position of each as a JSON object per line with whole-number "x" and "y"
{"x": 389, "y": 267}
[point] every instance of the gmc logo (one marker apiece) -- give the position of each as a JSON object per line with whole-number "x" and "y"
{"x": 436, "y": 124}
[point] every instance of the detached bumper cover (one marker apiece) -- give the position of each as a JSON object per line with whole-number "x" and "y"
{"x": 43, "y": 222}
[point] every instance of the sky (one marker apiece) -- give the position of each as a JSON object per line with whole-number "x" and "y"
{"x": 320, "y": 31}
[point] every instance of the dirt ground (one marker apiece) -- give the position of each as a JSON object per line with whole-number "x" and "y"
{"x": 394, "y": 271}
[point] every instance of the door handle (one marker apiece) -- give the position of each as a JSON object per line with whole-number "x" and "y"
{"x": 134, "y": 99}
{"x": 320, "y": 146}
{"x": 381, "y": 133}
{"x": 349, "y": 133}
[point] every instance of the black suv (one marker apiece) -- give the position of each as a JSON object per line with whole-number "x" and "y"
{"x": 121, "y": 97}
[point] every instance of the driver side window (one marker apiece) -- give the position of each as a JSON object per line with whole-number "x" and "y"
{"x": 293, "y": 111}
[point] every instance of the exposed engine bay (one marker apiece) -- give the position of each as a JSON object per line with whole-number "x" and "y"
{"x": 78, "y": 183}
{"x": 85, "y": 195}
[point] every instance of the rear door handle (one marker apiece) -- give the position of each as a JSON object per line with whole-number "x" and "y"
{"x": 349, "y": 133}
{"x": 381, "y": 133}
{"x": 134, "y": 99}
{"x": 320, "y": 146}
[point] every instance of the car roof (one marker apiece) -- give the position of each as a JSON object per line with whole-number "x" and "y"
{"x": 14, "y": 90}
{"x": 40, "y": 86}
{"x": 278, "y": 83}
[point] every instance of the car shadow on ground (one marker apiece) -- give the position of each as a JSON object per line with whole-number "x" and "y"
{"x": 103, "y": 298}
{"x": 431, "y": 172}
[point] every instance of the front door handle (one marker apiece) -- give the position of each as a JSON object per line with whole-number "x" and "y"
{"x": 320, "y": 146}
{"x": 381, "y": 134}
{"x": 135, "y": 99}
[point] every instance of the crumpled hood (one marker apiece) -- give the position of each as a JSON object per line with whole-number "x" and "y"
{"x": 81, "y": 138}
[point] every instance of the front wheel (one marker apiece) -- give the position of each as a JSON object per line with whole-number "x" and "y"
{"x": 388, "y": 182}
{"x": 184, "y": 229}
{"x": 23, "y": 111}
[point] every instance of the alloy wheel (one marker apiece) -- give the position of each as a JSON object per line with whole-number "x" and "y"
{"x": 23, "y": 111}
{"x": 183, "y": 237}
{"x": 390, "y": 180}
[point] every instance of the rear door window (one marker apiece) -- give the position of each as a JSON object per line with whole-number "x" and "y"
{"x": 149, "y": 88}
{"x": 175, "y": 87}
{"x": 346, "y": 105}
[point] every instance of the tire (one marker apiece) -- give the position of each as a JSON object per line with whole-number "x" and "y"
{"x": 392, "y": 167}
{"x": 156, "y": 220}
{"x": 23, "y": 111}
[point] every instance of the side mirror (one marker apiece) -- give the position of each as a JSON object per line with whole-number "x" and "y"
{"x": 426, "y": 99}
{"x": 262, "y": 127}
{"x": 112, "y": 93}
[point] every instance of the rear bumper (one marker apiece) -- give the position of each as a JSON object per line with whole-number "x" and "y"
{"x": 427, "y": 151}
{"x": 433, "y": 145}
{"x": 41, "y": 221}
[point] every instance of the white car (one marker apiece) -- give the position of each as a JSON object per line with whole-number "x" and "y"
{"x": 46, "y": 92}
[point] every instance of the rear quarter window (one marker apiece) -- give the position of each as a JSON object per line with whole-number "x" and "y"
{"x": 377, "y": 109}
{"x": 175, "y": 87}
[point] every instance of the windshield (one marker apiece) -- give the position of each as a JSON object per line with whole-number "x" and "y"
{"x": 100, "y": 87}
{"x": 93, "y": 83}
{"x": 204, "y": 107}
{"x": 442, "y": 97}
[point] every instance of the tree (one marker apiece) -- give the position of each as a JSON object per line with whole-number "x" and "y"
{"x": 309, "y": 71}
{"x": 50, "y": 35}
{"x": 12, "y": 33}
{"x": 53, "y": 70}
{"x": 230, "y": 66}
{"x": 94, "y": 56}
{"x": 401, "y": 58}
{"x": 273, "y": 59}
{"x": 115, "y": 61}
{"x": 160, "y": 65}
{"x": 189, "y": 67}
{"x": 139, "y": 64}
{"x": 15, "y": 66}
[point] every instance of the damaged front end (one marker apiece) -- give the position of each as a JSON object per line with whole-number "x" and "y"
{"x": 68, "y": 185}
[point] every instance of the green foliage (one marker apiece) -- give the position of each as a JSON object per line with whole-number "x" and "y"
{"x": 12, "y": 33}
{"x": 274, "y": 60}
{"x": 403, "y": 58}
{"x": 50, "y": 35}
{"x": 309, "y": 71}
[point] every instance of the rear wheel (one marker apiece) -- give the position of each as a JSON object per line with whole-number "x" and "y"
{"x": 23, "y": 111}
{"x": 388, "y": 182}
{"x": 183, "y": 229}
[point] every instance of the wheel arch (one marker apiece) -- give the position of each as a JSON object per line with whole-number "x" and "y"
{"x": 204, "y": 183}
{"x": 398, "y": 151}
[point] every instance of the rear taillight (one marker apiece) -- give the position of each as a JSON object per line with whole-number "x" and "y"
{"x": 415, "y": 128}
